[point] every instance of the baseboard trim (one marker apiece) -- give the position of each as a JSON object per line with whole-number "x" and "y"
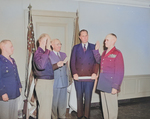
{"x": 126, "y": 101}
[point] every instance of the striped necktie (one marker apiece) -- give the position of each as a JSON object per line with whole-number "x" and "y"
{"x": 84, "y": 48}
{"x": 58, "y": 56}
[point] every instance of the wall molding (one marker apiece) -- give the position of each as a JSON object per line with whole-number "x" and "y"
{"x": 134, "y": 86}
{"x": 135, "y": 3}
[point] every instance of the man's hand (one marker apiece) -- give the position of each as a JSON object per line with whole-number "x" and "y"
{"x": 65, "y": 60}
{"x": 93, "y": 76}
{"x": 20, "y": 89}
{"x": 114, "y": 91}
{"x": 97, "y": 46}
{"x": 60, "y": 63}
{"x": 5, "y": 97}
{"x": 75, "y": 76}
{"x": 48, "y": 43}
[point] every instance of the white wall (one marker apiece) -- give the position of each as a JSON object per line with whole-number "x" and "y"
{"x": 130, "y": 24}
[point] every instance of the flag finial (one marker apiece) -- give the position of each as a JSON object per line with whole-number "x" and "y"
{"x": 29, "y": 6}
{"x": 77, "y": 13}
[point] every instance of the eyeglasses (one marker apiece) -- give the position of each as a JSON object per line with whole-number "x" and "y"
{"x": 59, "y": 44}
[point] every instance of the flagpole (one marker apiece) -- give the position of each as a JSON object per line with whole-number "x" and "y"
{"x": 27, "y": 54}
{"x": 29, "y": 20}
{"x": 27, "y": 64}
{"x": 29, "y": 83}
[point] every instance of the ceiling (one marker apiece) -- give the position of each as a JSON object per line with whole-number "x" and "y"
{"x": 138, "y": 3}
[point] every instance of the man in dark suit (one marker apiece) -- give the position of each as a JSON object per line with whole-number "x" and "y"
{"x": 82, "y": 63}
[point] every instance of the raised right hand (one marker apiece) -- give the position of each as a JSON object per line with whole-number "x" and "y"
{"x": 75, "y": 76}
{"x": 5, "y": 97}
{"x": 48, "y": 43}
{"x": 97, "y": 46}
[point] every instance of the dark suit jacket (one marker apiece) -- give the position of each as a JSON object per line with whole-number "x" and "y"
{"x": 83, "y": 63}
{"x": 42, "y": 65}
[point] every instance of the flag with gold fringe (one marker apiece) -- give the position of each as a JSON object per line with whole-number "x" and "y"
{"x": 30, "y": 103}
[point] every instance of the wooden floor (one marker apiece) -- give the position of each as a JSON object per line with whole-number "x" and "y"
{"x": 128, "y": 109}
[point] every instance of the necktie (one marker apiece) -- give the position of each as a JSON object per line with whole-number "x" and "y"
{"x": 58, "y": 56}
{"x": 84, "y": 48}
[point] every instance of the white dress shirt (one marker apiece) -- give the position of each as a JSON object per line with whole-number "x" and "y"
{"x": 86, "y": 45}
{"x": 57, "y": 53}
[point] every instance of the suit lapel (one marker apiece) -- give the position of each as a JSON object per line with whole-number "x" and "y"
{"x": 62, "y": 57}
{"x": 88, "y": 49}
{"x": 54, "y": 56}
{"x": 85, "y": 54}
{"x": 80, "y": 50}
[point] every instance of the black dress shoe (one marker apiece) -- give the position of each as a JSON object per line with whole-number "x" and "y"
{"x": 80, "y": 117}
{"x": 86, "y": 117}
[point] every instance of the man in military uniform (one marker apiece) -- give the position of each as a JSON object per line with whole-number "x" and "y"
{"x": 10, "y": 86}
{"x": 44, "y": 74}
{"x": 111, "y": 76}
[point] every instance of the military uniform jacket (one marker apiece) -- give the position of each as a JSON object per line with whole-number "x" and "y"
{"x": 42, "y": 65}
{"x": 9, "y": 78}
{"x": 61, "y": 73}
{"x": 111, "y": 70}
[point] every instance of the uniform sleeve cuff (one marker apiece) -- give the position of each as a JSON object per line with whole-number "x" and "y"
{"x": 47, "y": 52}
{"x": 2, "y": 91}
{"x": 55, "y": 66}
{"x": 20, "y": 86}
{"x": 95, "y": 51}
{"x": 116, "y": 86}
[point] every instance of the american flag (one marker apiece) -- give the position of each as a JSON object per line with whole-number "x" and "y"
{"x": 30, "y": 81}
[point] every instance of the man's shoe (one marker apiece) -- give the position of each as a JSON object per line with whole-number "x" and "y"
{"x": 86, "y": 117}
{"x": 80, "y": 117}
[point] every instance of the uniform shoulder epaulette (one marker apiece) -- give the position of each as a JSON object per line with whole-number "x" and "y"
{"x": 118, "y": 50}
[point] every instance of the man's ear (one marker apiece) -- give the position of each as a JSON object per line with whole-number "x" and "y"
{"x": 115, "y": 40}
{"x": 2, "y": 46}
{"x": 80, "y": 37}
{"x": 52, "y": 45}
